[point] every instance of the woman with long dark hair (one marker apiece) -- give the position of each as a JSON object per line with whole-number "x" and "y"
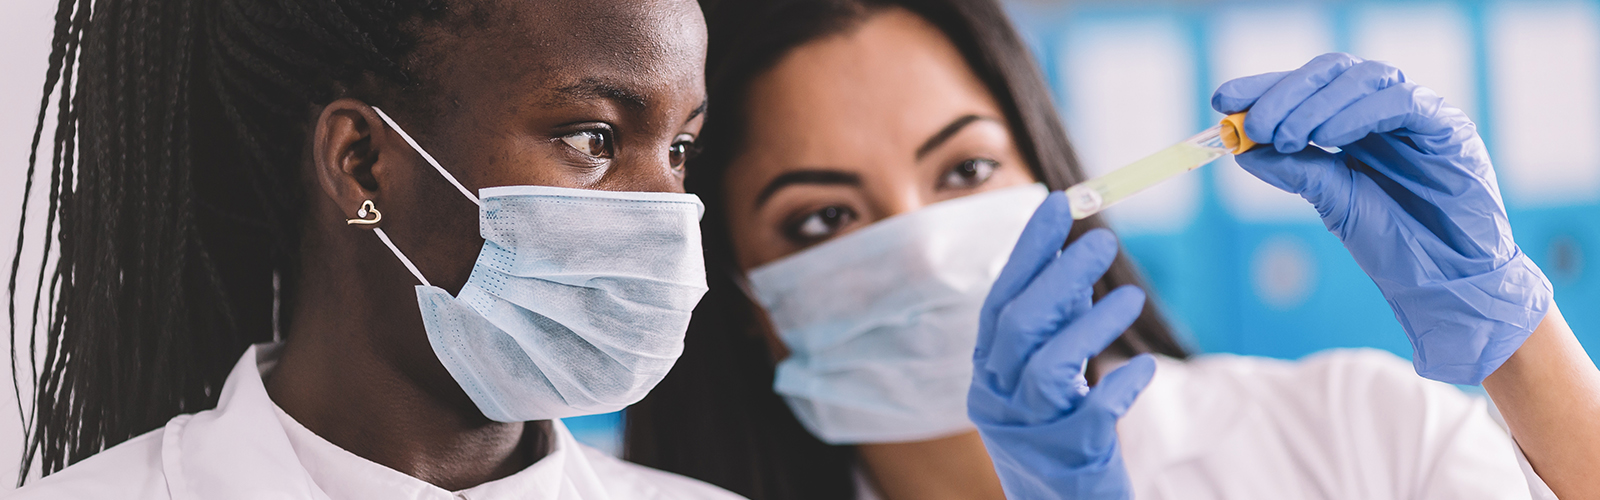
{"x": 360, "y": 248}
{"x": 867, "y": 166}
{"x": 716, "y": 416}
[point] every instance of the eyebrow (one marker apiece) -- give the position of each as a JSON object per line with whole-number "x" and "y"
{"x": 946, "y": 133}
{"x": 697, "y": 111}
{"x": 824, "y": 177}
{"x": 590, "y": 88}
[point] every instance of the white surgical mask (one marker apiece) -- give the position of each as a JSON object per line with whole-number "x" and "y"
{"x": 577, "y": 304}
{"x": 881, "y": 323}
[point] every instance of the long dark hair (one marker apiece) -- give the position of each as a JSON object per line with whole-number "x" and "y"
{"x": 716, "y": 417}
{"x": 174, "y": 198}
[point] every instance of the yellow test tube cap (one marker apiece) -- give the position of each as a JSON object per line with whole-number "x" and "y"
{"x": 1233, "y": 136}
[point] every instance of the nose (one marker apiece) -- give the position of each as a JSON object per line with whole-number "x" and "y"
{"x": 897, "y": 198}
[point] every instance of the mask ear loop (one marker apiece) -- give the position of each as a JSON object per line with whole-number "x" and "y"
{"x": 413, "y": 142}
{"x": 368, "y": 209}
{"x": 403, "y": 259}
{"x": 426, "y": 156}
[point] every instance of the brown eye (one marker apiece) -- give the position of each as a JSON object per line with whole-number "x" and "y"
{"x": 594, "y": 143}
{"x": 680, "y": 152}
{"x": 821, "y": 224}
{"x": 969, "y": 174}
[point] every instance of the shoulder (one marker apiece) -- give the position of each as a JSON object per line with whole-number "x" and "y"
{"x": 1371, "y": 405}
{"x": 1383, "y": 385}
{"x": 629, "y": 480}
{"x": 1334, "y": 376}
{"x": 1337, "y": 387}
{"x": 1362, "y": 413}
{"x": 131, "y": 470}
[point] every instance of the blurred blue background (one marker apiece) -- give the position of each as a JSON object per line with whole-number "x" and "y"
{"x": 1244, "y": 268}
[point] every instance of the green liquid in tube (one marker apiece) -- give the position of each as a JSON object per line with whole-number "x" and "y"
{"x": 1091, "y": 196}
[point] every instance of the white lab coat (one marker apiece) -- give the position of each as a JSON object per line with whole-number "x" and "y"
{"x": 1342, "y": 424}
{"x": 1348, "y": 424}
{"x": 247, "y": 449}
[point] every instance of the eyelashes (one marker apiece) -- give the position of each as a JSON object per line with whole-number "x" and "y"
{"x": 598, "y": 144}
{"x": 969, "y": 174}
{"x": 593, "y": 143}
{"x": 683, "y": 149}
{"x": 820, "y": 224}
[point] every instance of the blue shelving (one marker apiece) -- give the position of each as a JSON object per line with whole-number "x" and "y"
{"x": 1286, "y": 288}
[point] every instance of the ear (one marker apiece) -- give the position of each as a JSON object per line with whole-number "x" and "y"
{"x": 345, "y": 156}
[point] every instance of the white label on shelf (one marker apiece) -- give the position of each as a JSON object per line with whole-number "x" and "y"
{"x": 1430, "y": 42}
{"x": 1129, "y": 92}
{"x": 1251, "y": 41}
{"x": 1544, "y": 83}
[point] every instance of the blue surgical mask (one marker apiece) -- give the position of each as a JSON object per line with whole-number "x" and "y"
{"x": 577, "y": 304}
{"x": 881, "y": 323}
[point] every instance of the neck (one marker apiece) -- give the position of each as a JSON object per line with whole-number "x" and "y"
{"x": 955, "y": 467}
{"x": 358, "y": 372}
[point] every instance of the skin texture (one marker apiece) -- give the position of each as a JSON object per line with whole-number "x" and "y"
{"x": 855, "y": 110}
{"x": 512, "y": 98}
{"x": 1549, "y": 394}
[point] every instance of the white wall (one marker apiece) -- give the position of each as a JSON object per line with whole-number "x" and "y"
{"x": 24, "y": 46}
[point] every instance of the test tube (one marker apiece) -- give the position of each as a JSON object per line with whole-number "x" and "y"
{"x": 1094, "y": 195}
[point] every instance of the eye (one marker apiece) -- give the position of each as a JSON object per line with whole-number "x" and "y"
{"x": 594, "y": 143}
{"x": 821, "y": 224}
{"x": 681, "y": 151}
{"x": 969, "y": 174}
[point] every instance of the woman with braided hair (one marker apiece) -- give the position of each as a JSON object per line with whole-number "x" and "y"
{"x": 359, "y": 248}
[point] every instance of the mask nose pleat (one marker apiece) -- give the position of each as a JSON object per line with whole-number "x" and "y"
{"x": 604, "y": 371}
{"x": 625, "y": 329}
{"x": 505, "y": 266}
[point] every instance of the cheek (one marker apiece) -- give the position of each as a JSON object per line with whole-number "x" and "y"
{"x": 755, "y": 240}
{"x": 516, "y": 160}
{"x": 447, "y": 243}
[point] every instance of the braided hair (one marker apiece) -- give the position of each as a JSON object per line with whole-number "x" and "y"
{"x": 174, "y": 198}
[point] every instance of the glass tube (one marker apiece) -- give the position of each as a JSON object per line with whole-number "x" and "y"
{"x": 1090, "y": 197}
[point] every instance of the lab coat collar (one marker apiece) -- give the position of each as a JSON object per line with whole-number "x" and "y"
{"x": 237, "y": 450}
{"x": 241, "y": 450}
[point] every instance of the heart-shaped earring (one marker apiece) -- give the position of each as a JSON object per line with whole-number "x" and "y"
{"x": 366, "y": 210}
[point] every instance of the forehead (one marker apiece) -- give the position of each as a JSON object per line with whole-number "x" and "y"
{"x": 505, "y": 48}
{"x": 881, "y": 88}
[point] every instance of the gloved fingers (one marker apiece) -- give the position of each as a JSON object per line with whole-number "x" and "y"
{"x": 1269, "y": 111}
{"x": 1406, "y": 106}
{"x": 1117, "y": 390}
{"x": 1318, "y": 176}
{"x": 1052, "y": 381}
{"x": 985, "y": 407}
{"x": 1309, "y": 172}
{"x": 1038, "y": 245}
{"x": 1239, "y": 94}
{"x": 1360, "y": 81}
{"x": 1109, "y": 400}
{"x": 1059, "y": 293}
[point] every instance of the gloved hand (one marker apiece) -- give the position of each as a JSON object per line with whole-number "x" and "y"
{"x": 1051, "y": 435}
{"x": 1411, "y": 194}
